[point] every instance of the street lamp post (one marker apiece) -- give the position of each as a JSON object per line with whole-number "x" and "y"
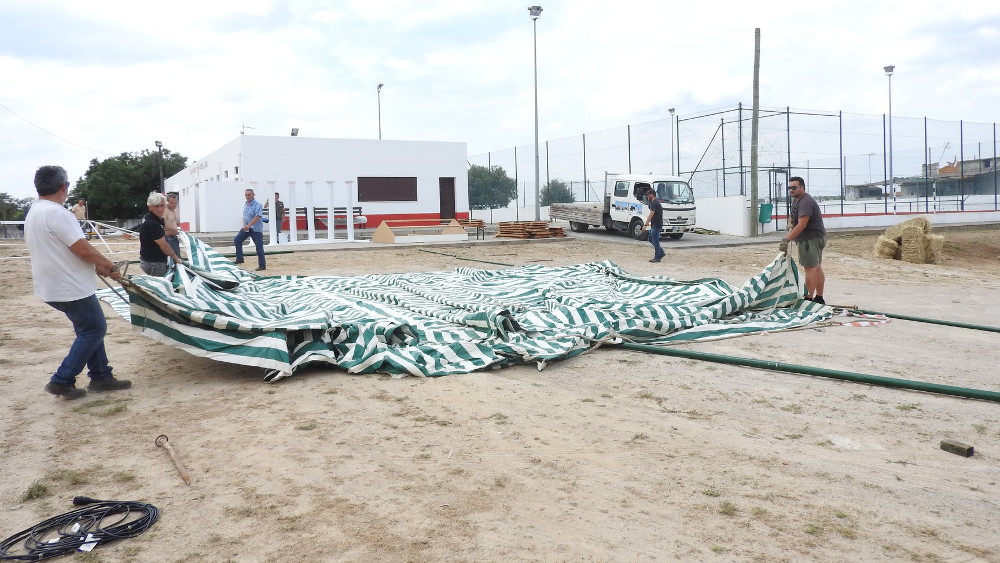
{"x": 378, "y": 92}
{"x": 159, "y": 148}
{"x": 892, "y": 181}
{"x": 671, "y": 110}
{"x": 535, "y": 12}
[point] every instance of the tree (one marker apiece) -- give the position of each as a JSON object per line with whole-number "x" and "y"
{"x": 12, "y": 209}
{"x": 556, "y": 191}
{"x": 490, "y": 188}
{"x": 117, "y": 187}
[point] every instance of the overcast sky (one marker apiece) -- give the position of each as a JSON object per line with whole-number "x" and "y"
{"x": 89, "y": 80}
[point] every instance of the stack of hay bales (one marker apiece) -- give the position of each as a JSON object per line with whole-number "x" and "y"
{"x": 910, "y": 241}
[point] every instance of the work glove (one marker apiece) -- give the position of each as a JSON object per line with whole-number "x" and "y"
{"x": 783, "y": 246}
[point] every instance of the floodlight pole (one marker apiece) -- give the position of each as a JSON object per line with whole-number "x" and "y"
{"x": 378, "y": 92}
{"x": 535, "y": 12}
{"x": 159, "y": 148}
{"x": 671, "y": 110}
{"x": 892, "y": 181}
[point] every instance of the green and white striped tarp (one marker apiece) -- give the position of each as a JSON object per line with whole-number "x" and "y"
{"x": 441, "y": 323}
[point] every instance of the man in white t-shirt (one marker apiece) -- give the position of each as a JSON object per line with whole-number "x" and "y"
{"x": 62, "y": 270}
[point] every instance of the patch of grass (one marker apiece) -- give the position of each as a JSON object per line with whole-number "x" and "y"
{"x": 639, "y": 437}
{"x": 728, "y": 509}
{"x": 606, "y": 396}
{"x": 37, "y": 490}
{"x": 980, "y": 428}
{"x": 813, "y": 529}
{"x": 845, "y": 532}
{"x": 794, "y": 409}
{"x": 123, "y": 477}
{"x": 499, "y": 417}
{"x": 311, "y": 425}
{"x": 908, "y": 406}
{"x": 70, "y": 476}
{"x": 587, "y": 400}
{"x": 711, "y": 493}
{"x": 119, "y": 408}
{"x": 102, "y": 407}
{"x": 793, "y": 436}
{"x": 718, "y": 549}
{"x": 330, "y": 392}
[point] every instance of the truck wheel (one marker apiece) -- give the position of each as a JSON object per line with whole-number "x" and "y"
{"x": 635, "y": 229}
{"x": 675, "y": 236}
{"x": 578, "y": 227}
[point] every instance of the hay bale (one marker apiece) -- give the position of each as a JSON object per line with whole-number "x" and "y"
{"x": 895, "y": 232}
{"x": 886, "y": 248}
{"x": 933, "y": 245}
{"x": 913, "y": 245}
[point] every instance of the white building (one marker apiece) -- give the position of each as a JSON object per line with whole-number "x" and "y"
{"x": 411, "y": 180}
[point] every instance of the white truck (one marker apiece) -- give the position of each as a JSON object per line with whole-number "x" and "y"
{"x": 624, "y": 209}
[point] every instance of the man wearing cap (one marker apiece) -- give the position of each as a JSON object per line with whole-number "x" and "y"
{"x": 810, "y": 234}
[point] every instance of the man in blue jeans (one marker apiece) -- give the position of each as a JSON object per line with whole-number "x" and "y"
{"x": 654, "y": 222}
{"x": 62, "y": 271}
{"x": 253, "y": 227}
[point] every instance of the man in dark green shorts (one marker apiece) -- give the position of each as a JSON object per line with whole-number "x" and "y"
{"x": 810, "y": 234}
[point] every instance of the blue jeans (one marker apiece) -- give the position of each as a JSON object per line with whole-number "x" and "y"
{"x": 88, "y": 348}
{"x": 175, "y": 244}
{"x": 258, "y": 240}
{"x": 654, "y": 239}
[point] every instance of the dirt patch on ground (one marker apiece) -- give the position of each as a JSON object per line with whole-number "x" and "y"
{"x": 610, "y": 456}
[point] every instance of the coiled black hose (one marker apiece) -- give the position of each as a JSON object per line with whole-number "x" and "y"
{"x": 101, "y": 522}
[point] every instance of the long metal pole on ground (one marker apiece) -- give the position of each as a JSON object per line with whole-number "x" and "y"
{"x": 821, "y": 372}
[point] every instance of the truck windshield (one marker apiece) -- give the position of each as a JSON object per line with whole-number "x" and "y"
{"x": 674, "y": 192}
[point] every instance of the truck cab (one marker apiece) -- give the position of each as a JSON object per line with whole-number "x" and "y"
{"x": 626, "y": 210}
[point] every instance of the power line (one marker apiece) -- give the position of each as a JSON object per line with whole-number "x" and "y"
{"x": 44, "y": 130}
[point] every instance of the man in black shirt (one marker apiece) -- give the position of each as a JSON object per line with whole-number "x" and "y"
{"x": 655, "y": 224}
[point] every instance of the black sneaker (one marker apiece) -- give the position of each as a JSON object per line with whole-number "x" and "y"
{"x": 260, "y": 269}
{"x": 70, "y": 392}
{"x": 238, "y": 262}
{"x": 111, "y": 384}
{"x": 654, "y": 260}
{"x": 819, "y": 299}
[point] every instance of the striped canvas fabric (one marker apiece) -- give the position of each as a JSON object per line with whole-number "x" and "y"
{"x": 442, "y": 323}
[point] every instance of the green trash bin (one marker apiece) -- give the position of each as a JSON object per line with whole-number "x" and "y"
{"x": 765, "y": 212}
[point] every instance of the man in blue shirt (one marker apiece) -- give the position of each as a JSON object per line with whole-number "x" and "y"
{"x": 253, "y": 227}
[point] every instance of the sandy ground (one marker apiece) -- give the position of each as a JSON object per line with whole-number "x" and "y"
{"x": 615, "y": 455}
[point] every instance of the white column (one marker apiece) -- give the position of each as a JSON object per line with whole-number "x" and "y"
{"x": 350, "y": 209}
{"x": 292, "y": 208}
{"x": 331, "y": 200}
{"x": 310, "y": 211}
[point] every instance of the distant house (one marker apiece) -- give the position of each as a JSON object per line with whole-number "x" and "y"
{"x": 968, "y": 177}
{"x": 413, "y": 180}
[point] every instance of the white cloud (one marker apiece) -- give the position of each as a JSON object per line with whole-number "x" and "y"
{"x": 114, "y": 76}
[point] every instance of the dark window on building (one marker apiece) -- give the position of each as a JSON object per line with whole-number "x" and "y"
{"x": 387, "y": 189}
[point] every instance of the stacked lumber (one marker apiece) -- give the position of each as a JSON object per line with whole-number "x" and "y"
{"x": 473, "y": 223}
{"x": 524, "y": 229}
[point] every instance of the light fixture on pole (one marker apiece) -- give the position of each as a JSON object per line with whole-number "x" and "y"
{"x": 892, "y": 181}
{"x": 378, "y": 92}
{"x": 671, "y": 110}
{"x": 159, "y": 148}
{"x": 535, "y": 12}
